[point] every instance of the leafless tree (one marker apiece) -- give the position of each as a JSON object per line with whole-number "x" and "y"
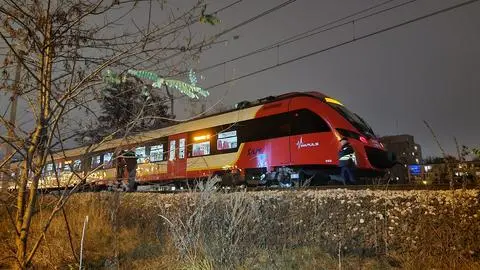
{"x": 59, "y": 49}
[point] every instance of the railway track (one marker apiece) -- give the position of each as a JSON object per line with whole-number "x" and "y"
{"x": 169, "y": 190}
{"x": 328, "y": 187}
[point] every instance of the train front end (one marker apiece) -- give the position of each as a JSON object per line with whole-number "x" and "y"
{"x": 372, "y": 157}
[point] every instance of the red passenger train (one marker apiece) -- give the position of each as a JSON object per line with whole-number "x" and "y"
{"x": 284, "y": 140}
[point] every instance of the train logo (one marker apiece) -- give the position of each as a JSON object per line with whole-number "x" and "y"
{"x": 254, "y": 151}
{"x": 301, "y": 144}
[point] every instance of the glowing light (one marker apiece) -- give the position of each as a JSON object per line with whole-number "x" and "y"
{"x": 226, "y": 167}
{"x": 262, "y": 160}
{"x": 202, "y": 138}
{"x": 363, "y": 140}
{"x": 424, "y": 182}
{"x": 334, "y": 101}
{"x": 337, "y": 135}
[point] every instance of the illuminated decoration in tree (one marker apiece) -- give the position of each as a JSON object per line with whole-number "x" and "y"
{"x": 208, "y": 18}
{"x": 189, "y": 89}
{"x": 192, "y": 77}
{"x": 113, "y": 78}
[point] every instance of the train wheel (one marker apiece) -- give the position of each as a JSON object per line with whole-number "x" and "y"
{"x": 227, "y": 180}
{"x": 304, "y": 180}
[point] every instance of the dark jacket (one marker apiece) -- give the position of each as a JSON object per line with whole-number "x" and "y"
{"x": 131, "y": 160}
{"x": 346, "y": 156}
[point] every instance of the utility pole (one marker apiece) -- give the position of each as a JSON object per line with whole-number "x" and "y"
{"x": 12, "y": 119}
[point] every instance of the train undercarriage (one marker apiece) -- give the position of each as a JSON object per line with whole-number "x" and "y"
{"x": 283, "y": 177}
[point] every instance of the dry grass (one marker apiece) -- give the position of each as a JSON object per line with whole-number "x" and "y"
{"x": 263, "y": 230}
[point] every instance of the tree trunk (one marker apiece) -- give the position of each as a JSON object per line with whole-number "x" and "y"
{"x": 35, "y": 155}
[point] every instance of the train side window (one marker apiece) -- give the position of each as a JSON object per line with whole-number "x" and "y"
{"x": 77, "y": 165}
{"x": 49, "y": 168}
{"x": 140, "y": 153}
{"x": 171, "y": 150}
{"x": 269, "y": 127}
{"x": 96, "y": 161}
{"x": 227, "y": 140}
{"x": 306, "y": 121}
{"x": 107, "y": 160}
{"x": 67, "y": 166}
{"x": 201, "y": 149}
{"x": 181, "y": 148}
{"x": 156, "y": 153}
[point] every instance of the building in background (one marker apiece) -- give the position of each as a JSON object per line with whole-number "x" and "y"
{"x": 408, "y": 153}
{"x": 404, "y": 146}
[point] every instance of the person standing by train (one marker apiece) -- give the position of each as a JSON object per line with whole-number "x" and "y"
{"x": 131, "y": 164}
{"x": 347, "y": 161}
{"x": 121, "y": 169}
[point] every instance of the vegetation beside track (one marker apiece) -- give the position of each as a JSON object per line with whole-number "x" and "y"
{"x": 276, "y": 229}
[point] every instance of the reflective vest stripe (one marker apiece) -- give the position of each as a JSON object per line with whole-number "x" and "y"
{"x": 349, "y": 156}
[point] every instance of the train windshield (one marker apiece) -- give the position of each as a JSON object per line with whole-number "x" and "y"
{"x": 354, "y": 119}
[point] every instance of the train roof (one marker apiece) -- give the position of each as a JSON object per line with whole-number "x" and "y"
{"x": 261, "y": 101}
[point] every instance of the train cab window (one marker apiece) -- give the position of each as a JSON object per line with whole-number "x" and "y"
{"x": 227, "y": 140}
{"x": 201, "y": 149}
{"x": 306, "y": 121}
{"x": 156, "y": 153}
{"x": 96, "y": 161}
{"x": 181, "y": 148}
{"x": 141, "y": 154}
{"x": 171, "y": 150}
{"x": 77, "y": 165}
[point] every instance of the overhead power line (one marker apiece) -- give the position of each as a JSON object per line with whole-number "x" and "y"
{"x": 227, "y": 7}
{"x": 301, "y": 36}
{"x": 354, "y": 39}
{"x": 275, "y": 8}
{"x": 200, "y": 44}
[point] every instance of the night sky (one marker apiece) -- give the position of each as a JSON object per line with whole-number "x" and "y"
{"x": 426, "y": 70}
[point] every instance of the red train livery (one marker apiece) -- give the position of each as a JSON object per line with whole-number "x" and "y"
{"x": 276, "y": 140}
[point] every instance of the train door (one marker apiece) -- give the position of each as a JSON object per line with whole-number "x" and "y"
{"x": 266, "y": 138}
{"x": 177, "y": 156}
{"x": 121, "y": 174}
